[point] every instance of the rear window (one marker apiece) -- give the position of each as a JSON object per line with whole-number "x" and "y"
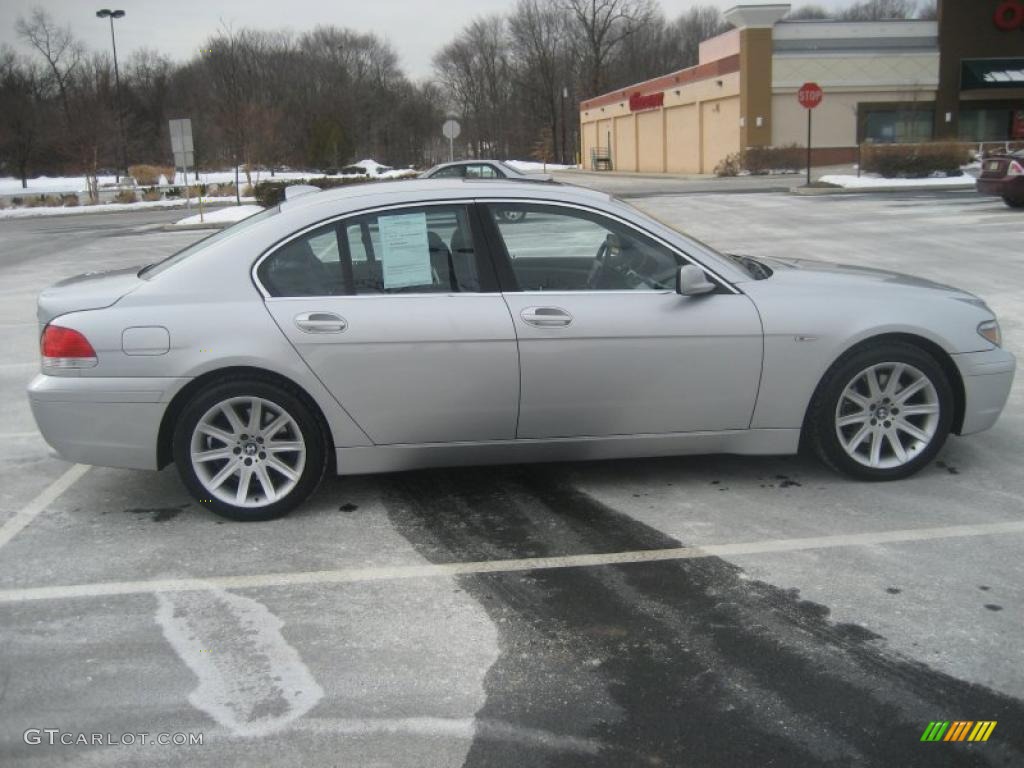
{"x": 156, "y": 268}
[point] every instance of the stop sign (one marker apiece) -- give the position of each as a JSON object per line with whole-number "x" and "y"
{"x": 810, "y": 95}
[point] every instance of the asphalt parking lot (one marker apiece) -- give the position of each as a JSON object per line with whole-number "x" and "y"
{"x": 672, "y": 612}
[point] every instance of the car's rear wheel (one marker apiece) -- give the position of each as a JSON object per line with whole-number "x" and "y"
{"x": 881, "y": 413}
{"x": 248, "y": 449}
{"x": 1014, "y": 202}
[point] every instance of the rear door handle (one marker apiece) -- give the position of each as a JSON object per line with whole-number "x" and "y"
{"x": 546, "y": 317}
{"x": 320, "y": 322}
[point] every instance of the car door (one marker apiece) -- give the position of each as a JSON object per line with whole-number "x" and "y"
{"x": 398, "y": 313}
{"x": 606, "y": 345}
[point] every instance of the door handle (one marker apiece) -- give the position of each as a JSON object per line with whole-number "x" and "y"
{"x": 546, "y": 317}
{"x": 320, "y": 322}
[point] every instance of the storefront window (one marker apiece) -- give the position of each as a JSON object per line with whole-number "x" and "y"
{"x": 899, "y": 125}
{"x": 985, "y": 124}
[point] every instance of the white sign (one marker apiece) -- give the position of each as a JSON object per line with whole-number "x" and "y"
{"x": 451, "y": 129}
{"x": 406, "y": 250}
{"x": 181, "y": 143}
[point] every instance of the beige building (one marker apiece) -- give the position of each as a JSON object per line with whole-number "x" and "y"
{"x": 884, "y": 81}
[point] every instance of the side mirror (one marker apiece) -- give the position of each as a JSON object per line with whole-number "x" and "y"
{"x": 691, "y": 281}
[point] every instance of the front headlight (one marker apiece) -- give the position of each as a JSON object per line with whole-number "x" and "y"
{"x": 989, "y": 330}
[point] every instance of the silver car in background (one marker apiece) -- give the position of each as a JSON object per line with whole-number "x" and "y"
{"x": 412, "y": 324}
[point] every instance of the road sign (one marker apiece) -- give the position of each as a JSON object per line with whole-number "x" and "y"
{"x": 181, "y": 143}
{"x": 810, "y": 95}
{"x": 451, "y": 129}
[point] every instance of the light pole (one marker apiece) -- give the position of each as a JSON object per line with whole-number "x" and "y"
{"x": 106, "y": 13}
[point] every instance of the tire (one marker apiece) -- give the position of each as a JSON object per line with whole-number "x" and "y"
{"x": 278, "y": 479}
{"x": 1014, "y": 202}
{"x": 846, "y": 421}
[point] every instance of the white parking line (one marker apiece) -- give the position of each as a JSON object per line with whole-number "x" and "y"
{"x": 50, "y": 494}
{"x": 349, "y": 575}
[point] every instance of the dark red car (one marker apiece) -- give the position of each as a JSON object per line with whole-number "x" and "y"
{"x": 1003, "y": 175}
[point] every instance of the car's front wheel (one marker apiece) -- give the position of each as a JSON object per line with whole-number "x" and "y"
{"x": 882, "y": 412}
{"x": 249, "y": 449}
{"x": 1014, "y": 202}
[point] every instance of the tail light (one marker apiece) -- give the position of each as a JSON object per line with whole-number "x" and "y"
{"x": 66, "y": 348}
{"x": 1015, "y": 169}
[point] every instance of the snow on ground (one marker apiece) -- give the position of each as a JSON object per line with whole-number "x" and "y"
{"x": 22, "y": 213}
{"x": 530, "y": 166}
{"x": 220, "y": 215}
{"x": 877, "y": 182}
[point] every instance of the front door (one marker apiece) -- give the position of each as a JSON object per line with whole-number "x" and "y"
{"x": 606, "y": 345}
{"x": 397, "y": 313}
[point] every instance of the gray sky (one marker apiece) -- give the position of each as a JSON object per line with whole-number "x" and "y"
{"x": 178, "y": 27}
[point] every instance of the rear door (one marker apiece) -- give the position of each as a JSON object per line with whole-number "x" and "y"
{"x": 606, "y": 345}
{"x": 397, "y": 312}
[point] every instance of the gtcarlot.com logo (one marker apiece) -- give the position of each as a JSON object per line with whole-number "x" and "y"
{"x": 958, "y": 730}
{"x": 55, "y": 736}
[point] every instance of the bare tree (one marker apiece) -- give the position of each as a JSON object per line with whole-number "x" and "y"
{"x": 805, "y": 12}
{"x": 599, "y": 27}
{"x": 58, "y": 47}
{"x": 879, "y": 10}
{"x": 698, "y": 24}
{"x": 929, "y": 11}
{"x": 20, "y": 111}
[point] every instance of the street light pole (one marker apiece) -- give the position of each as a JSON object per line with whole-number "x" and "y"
{"x": 106, "y": 13}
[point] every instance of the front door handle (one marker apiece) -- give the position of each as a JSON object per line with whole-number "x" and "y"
{"x": 320, "y": 322}
{"x": 546, "y": 317}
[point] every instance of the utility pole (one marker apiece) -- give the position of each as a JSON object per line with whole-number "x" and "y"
{"x": 106, "y": 13}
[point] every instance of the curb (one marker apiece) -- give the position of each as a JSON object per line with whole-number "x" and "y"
{"x": 191, "y": 227}
{"x": 813, "y": 191}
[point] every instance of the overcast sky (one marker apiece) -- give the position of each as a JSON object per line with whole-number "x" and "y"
{"x": 416, "y": 28}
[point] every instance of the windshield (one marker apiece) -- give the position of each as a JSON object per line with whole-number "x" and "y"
{"x": 157, "y": 267}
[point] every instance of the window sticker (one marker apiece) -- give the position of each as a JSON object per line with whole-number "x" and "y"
{"x": 405, "y": 250}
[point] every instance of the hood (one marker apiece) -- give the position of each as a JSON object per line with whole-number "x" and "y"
{"x": 91, "y": 290}
{"x": 828, "y": 275}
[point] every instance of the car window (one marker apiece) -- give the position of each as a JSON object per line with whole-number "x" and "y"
{"x": 482, "y": 171}
{"x": 452, "y": 171}
{"x": 412, "y": 250}
{"x": 552, "y": 248}
{"x": 309, "y": 265}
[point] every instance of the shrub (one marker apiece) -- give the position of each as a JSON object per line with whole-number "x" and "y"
{"x": 271, "y": 193}
{"x": 126, "y": 196}
{"x": 151, "y": 195}
{"x": 53, "y": 201}
{"x": 69, "y": 200}
{"x": 223, "y": 190}
{"x": 914, "y": 161}
{"x": 760, "y": 160}
{"x": 149, "y": 175}
{"x": 172, "y": 192}
{"x": 728, "y": 166}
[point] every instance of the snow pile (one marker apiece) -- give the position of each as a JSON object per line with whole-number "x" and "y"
{"x": 878, "y": 182}
{"x": 24, "y": 213}
{"x": 374, "y": 170}
{"x": 529, "y": 166}
{"x": 227, "y": 215}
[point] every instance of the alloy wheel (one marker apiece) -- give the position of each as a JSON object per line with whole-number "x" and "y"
{"x": 887, "y": 415}
{"x": 248, "y": 452}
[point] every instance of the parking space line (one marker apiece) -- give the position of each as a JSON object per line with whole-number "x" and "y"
{"x": 50, "y": 494}
{"x": 448, "y": 570}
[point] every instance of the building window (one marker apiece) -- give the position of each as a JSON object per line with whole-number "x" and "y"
{"x": 985, "y": 124}
{"x": 888, "y": 126}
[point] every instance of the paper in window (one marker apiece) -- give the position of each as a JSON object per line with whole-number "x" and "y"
{"x": 405, "y": 250}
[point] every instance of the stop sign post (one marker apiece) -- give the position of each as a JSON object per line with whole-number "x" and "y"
{"x": 809, "y": 96}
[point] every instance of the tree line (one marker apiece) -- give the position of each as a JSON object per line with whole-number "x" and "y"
{"x": 323, "y": 98}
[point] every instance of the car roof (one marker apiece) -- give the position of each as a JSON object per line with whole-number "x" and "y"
{"x": 358, "y": 196}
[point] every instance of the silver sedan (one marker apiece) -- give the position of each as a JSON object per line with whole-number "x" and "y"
{"x": 413, "y": 324}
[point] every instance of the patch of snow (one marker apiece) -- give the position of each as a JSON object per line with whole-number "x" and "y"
{"x": 24, "y": 213}
{"x": 221, "y": 215}
{"x": 878, "y": 182}
{"x": 531, "y": 166}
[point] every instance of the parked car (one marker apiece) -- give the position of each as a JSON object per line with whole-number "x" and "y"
{"x": 485, "y": 169}
{"x": 1003, "y": 175}
{"x": 416, "y": 328}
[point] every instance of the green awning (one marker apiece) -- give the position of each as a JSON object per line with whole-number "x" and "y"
{"x": 986, "y": 74}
